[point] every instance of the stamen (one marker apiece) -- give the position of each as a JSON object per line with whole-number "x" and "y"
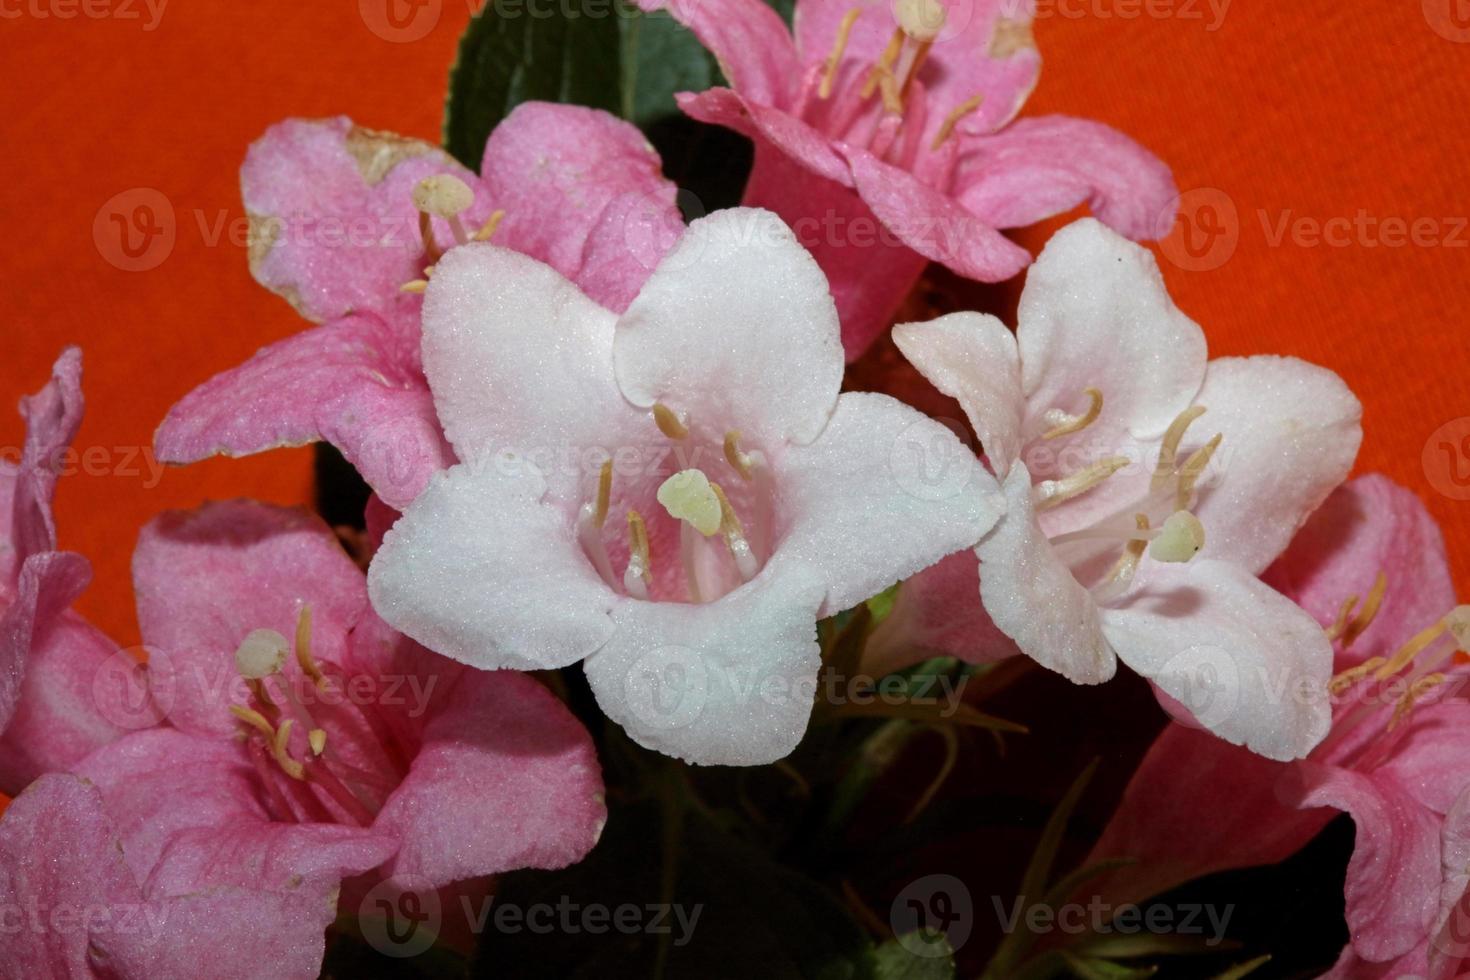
{"x": 261, "y": 654}
{"x": 888, "y": 88}
{"x": 1050, "y": 493}
{"x": 1410, "y": 650}
{"x": 884, "y": 66}
{"x": 415, "y": 286}
{"x": 1123, "y": 570}
{"x": 1416, "y": 691}
{"x": 1347, "y": 679}
{"x": 303, "y": 650}
{"x": 590, "y": 523}
{"x": 689, "y": 496}
{"x": 740, "y": 461}
{"x": 487, "y": 230}
{"x": 604, "y": 494}
{"x": 1065, "y": 424}
{"x": 317, "y": 739}
{"x": 1343, "y": 612}
{"x": 844, "y": 29}
{"x": 1365, "y": 616}
{"x": 255, "y": 720}
{"x": 282, "y": 755}
{"x": 1193, "y": 468}
{"x": 669, "y": 422}
{"x": 953, "y": 119}
{"x": 1169, "y": 450}
{"x": 1181, "y": 539}
{"x": 639, "y": 574}
{"x": 735, "y": 539}
{"x": 1458, "y": 623}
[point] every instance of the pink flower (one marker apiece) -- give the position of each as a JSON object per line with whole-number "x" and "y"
{"x": 292, "y": 765}
{"x": 1126, "y": 542}
{"x": 883, "y": 136}
{"x": 673, "y": 495}
{"x": 49, "y": 656}
{"x": 343, "y": 218}
{"x": 1397, "y": 758}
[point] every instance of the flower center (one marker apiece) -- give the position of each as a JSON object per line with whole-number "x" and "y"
{"x": 347, "y": 762}
{"x": 717, "y": 549}
{"x": 446, "y": 197}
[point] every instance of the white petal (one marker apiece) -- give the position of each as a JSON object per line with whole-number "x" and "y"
{"x": 1033, "y": 597}
{"x": 972, "y": 357}
{"x": 883, "y": 492}
{"x": 726, "y": 683}
{"x": 481, "y": 570}
{"x": 1248, "y": 663}
{"x": 737, "y": 324}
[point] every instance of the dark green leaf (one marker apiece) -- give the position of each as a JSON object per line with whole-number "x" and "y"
{"x": 894, "y": 960}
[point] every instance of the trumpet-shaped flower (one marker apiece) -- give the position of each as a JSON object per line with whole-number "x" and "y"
{"x": 673, "y": 495}
{"x": 1146, "y": 489}
{"x": 346, "y": 223}
{"x": 884, "y": 137}
{"x": 1370, "y": 567}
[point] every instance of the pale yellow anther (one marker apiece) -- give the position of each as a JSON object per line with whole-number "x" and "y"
{"x": 1354, "y": 629}
{"x": 282, "y": 755}
{"x": 1344, "y": 681}
{"x": 953, "y": 119}
{"x": 1179, "y": 540}
{"x": 317, "y": 739}
{"x": 1064, "y": 424}
{"x": 261, "y": 654}
{"x": 1169, "y": 450}
{"x": 1416, "y": 691}
{"x": 443, "y": 195}
{"x": 921, "y": 20}
{"x": 668, "y": 421}
{"x": 640, "y": 564}
{"x": 689, "y": 496}
{"x": 1410, "y": 650}
{"x": 303, "y": 649}
{"x": 735, "y": 539}
{"x": 1193, "y": 468}
{"x": 741, "y": 462}
{"x": 1050, "y": 493}
{"x": 255, "y": 720}
{"x": 844, "y": 30}
{"x": 1339, "y": 625}
{"x": 884, "y": 65}
{"x": 487, "y": 230}
{"x": 416, "y": 286}
{"x": 604, "y": 494}
{"x": 1458, "y": 623}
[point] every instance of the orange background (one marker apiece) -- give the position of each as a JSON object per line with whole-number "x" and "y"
{"x": 1311, "y": 109}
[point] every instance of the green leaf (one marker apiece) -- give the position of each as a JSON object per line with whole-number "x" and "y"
{"x": 1093, "y": 969}
{"x": 1129, "y": 946}
{"x": 659, "y": 57}
{"x": 894, "y": 961}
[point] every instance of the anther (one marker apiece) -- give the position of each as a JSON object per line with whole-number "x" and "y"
{"x": 303, "y": 650}
{"x": 884, "y": 66}
{"x": 844, "y": 30}
{"x": 281, "y": 753}
{"x": 741, "y": 462}
{"x": 604, "y": 494}
{"x": 1193, "y": 468}
{"x": 1169, "y": 450}
{"x": 1050, "y": 493}
{"x": 317, "y": 739}
{"x": 735, "y": 539}
{"x": 261, "y": 654}
{"x": 1180, "y": 539}
{"x": 414, "y": 286}
{"x": 1340, "y": 624}
{"x": 639, "y": 573}
{"x": 668, "y": 421}
{"x": 1410, "y": 650}
{"x": 487, "y": 230}
{"x": 1354, "y": 629}
{"x": 1416, "y": 691}
{"x": 953, "y": 119}
{"x": 1347, "y": 679}
{"x": 1064, "y": 424}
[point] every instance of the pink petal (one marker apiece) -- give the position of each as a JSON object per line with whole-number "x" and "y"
{"x": 748, "y": 38}
{"x": 1393, "y": 878}
{"x": 1369, "y": 525}
{"x": 1034, "y": 599}
{"x": 506, "y": 778}
{"x": 334, "y": 228}
{"x": 1249, "y": 664}
{"x": 774, "y": 131}
{"x": 627, "y": 244}
{"x": 736, "y": 328}
{"x": 559, "y": 172}
{"x": 355, "y": 383}
{"x": 1043, "y": 166}
{"x": 972, "y": 357}
{"x": 883, "y": 492}
{"x": 938, "y": 613}
{"x": 1292, "y": 431}
{"x": 483, "y": 571}
{"x": 1431, "y": 753}
{"x": 1197, "y": 805}
{"x": 729, "y": 682}
{"x": 52, "y": 416}
{"x": 205, "y": 579}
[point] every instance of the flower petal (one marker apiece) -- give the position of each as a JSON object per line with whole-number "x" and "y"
{"x": 1047, "y": 165}
{"x": 883, "y": 492}
{"x": 1369, "y": 525}
{"x": 506, "y": 778}
{"x": 52, "y": 417}
{"x": 773, "y": 131}
{"x": 1249, "y": 664}
{"x": 737, "y": 323}
{"x": 1033, "y": 597}
{"x": 1095, "y": 314}
{"x": 556, "y": 170}
{"x": 748, "y": 38}
{"x": 355, "y": 383}
{"x": 333, "y": 226}
{"x": 480, "y": 569}
{"x": 207, "y": 578}
{"x": 729, "y": 682}
{"x": 972, "y": 357}
{"x": 1292, "y": 431}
